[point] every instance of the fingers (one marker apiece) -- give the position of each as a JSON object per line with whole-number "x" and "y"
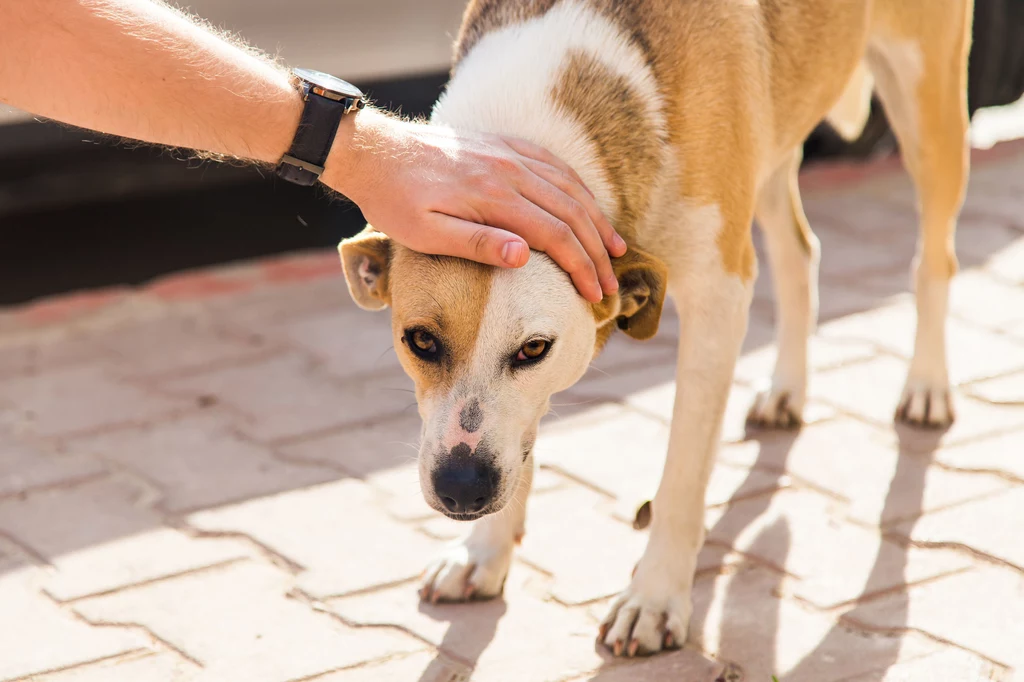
{"x": 557, "y": 238}
{"x": 450, "y": 236}
{"x": 565, "y": 199}
{"x": 561, "y": 175}
{"x": 564, "y": 246}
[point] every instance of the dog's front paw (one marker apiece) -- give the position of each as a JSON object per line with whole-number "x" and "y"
{"x": 778, "y": 407}
{"x": 925, "y": 403}
{"x": 652, "y": 614}
{"x": 468, "y": 570}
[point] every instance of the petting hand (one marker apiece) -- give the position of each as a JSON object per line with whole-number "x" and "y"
{"x": 486, "y": 198}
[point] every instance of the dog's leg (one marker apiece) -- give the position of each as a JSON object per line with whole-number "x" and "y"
{"x": 713, "y": 303}
{"x": 793, "y": 253}
{"x": 476, "y": 566}
{"x": 921, "y": 79}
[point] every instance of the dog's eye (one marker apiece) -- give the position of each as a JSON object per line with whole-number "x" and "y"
{"x": 422, "y": 343}
{"x": 532, "y": 351}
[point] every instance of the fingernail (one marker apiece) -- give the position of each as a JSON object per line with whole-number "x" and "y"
{"x": 512, "y": 253}
{"x": 620, "y": 243}
{"x": 610, "y": 284}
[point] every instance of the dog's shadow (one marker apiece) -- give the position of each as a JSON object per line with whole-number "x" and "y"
{"x": 726, "y": 629}
{"x": 471, "y": 629}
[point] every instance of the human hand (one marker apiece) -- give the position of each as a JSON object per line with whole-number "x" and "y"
{"x": 486, "y": 198}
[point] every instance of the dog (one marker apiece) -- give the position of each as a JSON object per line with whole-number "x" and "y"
{"x": 686, "y": 119}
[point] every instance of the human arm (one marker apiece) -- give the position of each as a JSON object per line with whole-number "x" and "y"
{"x": 142, "y": 70}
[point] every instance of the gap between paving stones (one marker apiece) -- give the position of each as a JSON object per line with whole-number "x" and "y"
{"x": 858, "y": 626}
{"x": 272, "y": 557}
{"x": 75, "y": 666}
{"x": 131, "y": 626}
{"x": 143, "y": 583}
{"x": 960, "y": 547}
{"x": 457, "y": 676}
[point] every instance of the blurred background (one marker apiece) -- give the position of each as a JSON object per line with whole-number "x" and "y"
{"x": 78, "y": 211}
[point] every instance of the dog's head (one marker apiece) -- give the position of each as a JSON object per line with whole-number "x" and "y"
{"x": 486, "y": 348}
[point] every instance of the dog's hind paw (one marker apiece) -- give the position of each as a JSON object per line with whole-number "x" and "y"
{"x": 467, "y": 571}
{"x": 926, "y": 405}
{"x": 776, "y": 408}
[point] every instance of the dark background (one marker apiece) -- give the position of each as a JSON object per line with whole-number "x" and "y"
{"x": 79, "y": 211}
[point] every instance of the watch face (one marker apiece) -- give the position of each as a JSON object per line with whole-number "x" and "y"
{"x": 329, "y": 84}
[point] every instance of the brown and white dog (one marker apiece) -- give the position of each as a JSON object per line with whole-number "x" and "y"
{"x": 686, "y": 119}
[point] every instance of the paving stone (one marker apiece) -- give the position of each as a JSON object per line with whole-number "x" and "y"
{"x": 999, "y": 453}
{"x": 1015, "y": 330}
{"x": 30, "y": 357}
{"x": 1008, "y": 263}
{"x": 981, "y": 239}
{"x": 98, "y": 537}
{"x": 652, "y": 390}
{"x": 24, "y": 466}
{"x": 836, "y": 562}
{"x": 850, "y": 255}
{"x": 383, "y": 454}
{"x": 871, "y": 390}
{"x": 757, "y": 366}
{"x": 333, "y": 532}
{"x": 199, "y": 461}
{"x": 992, "y": 526}
{"x": 881, "y": 483}
{"x": 1006, "y": 390}
{"x": 890, "y": 216}
{"x": 738, "y": 618}
{"x": 974, "y": 353}
{"x": 711, "y": 558}
{"x": 616, "y": 450}
{"x": 600, "y": 557}
{"x": 262, "y": 309}
{"x": 178, "y": 345}
{"x": 38, "y": 635}
{"x": 79, "y": 399}
{"x": 350, "y": 342}
{"x": 286, "y": 397}
{"x": 509, "y": 639}
{"x": 968, "y": 609}
{"x": 621, "y": 352}
{"x": 686, "y": 664}
{"x": 240, "y": 624}
{"x": 143, "y": 666}
{"x": 622, "y": 453}
{"x": 948, "y": 664}
{"x": 423, "y": 666}
{"x": 980, "y": 298}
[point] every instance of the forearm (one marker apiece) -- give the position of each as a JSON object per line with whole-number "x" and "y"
{"x": 141, "y": 70}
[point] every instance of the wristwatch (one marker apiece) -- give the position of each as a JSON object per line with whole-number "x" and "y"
{"x": 327, "y": 99}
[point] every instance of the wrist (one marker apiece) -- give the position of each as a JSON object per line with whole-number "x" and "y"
{"x": 353, "y": 165}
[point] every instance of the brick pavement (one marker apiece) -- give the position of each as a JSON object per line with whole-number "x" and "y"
{"x": 210, "y": 478}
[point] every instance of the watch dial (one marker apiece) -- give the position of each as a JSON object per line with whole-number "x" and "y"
{"x": 329, "y": 82}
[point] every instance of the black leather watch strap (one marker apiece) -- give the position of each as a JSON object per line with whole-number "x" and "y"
{"x": 321, "y": 117}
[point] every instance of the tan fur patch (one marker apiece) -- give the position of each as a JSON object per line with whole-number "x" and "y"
{"x": 627, "y": 143}
{"x": 483, "y": 16}
{"x": 445, "y": 296}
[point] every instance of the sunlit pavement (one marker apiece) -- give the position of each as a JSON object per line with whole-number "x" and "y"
{"x": 211, "y": 478}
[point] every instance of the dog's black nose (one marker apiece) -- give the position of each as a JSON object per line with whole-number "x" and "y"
{"x": 464, "y": 484}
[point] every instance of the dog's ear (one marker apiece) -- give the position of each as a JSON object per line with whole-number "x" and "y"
{"x": 637, "y": 305}
{"x": 366, "y": 259}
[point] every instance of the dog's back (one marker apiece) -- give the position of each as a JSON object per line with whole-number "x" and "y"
{"x": 715, "y": 80}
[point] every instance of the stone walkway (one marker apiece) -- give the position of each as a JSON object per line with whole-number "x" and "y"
{"x": 211, "y": 478}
